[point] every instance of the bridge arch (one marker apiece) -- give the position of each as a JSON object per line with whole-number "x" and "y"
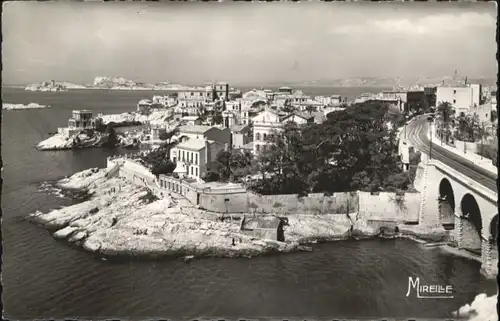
{"x": 446, "y": 204}
{"x": 472, "y": 225}
{"x": 494, "y": 228}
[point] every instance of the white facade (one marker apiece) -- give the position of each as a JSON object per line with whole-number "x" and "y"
{"x": 191, "y": 155}
{"x": 264, "y": 126}
{"x": 234, "y": 105}
{"x": 461, "y": 98}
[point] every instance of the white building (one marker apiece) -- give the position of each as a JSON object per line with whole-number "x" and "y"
{"x": 268, "y": 122}
{"x": 194, "y": 156}
{"x": 462, "y": 98}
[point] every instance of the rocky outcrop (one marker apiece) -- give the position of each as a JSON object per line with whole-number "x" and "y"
{"x": 118, "y": 219}
{"x": 62, "y": 141}
{"x": 156, "y": 117}
{"x": 120, "y": 83}
{"x": 483, "y": 308}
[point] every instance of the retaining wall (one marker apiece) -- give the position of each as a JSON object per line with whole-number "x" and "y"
{"x": 380, "y": 207}
{"x": 316, "y": 203}
{"x": 389, "y": 207}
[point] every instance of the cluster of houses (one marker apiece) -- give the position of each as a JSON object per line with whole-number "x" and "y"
{"x": 465, "y": 99}
{"x": 248, "y": 121}
{"x": 245, "y": 121}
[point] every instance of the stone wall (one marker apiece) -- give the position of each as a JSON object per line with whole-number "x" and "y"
{"x": 380, "y": 207}
{"x": 389, "y": 207}
{"x": 317, "y": 203}
{"x": 225, "y": 202}
{"x": 467, "y": 146}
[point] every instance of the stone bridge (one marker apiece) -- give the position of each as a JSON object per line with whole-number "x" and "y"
{"x": 462, "y": 206}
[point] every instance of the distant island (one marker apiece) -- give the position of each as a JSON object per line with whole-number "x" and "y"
{"x": 7, "y": 106}
{"x": 120, "y": 83}
{"x": 53, "y": 86}
{"x": 109, "y": 83}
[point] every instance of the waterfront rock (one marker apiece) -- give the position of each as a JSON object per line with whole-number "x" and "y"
{"x": 145, "y": 229}
{"x": 65, "y": 232}
{"x": 431, "y": 234}
{"x": 308, "y": 228}
{"x": 158, "y": 116}
{"x": 80, "y": 140}
{"x": 481, "y": 309}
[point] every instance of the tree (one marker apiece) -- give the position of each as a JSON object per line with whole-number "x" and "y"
{"x": 112, "y": 138}
{"x": 168, "y": 135}
{"x": 232, "y": 165}
{"x": 217, "y": 118}
{"x": 446, "y": 116}
{"x": 165, "y": 166}
{"x": 354, "y": 149}
{"x": 493, "y": 115}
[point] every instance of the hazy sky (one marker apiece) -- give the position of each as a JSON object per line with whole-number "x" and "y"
{"x": 245, "y": 42}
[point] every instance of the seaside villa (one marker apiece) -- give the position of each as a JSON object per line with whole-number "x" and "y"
{"x": 80, "y": 120}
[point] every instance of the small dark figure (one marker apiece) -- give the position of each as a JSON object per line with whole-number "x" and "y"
{"x": 233, "y": 242}
{"x": 115, "y": 220}
{"x": 396, "y": 229}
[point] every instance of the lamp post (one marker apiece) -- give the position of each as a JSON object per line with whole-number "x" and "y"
{"x": 430, "y": 147}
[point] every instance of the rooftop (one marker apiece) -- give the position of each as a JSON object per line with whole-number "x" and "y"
{"x": 190, "y": 118}
{"x": 195, "y": 129}
{"x": 193, "y": 144}
{"x": 145, "y": 101}
{"x": 238, "y": 128}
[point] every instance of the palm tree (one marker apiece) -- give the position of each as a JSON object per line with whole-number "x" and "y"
{"x": 446, "y": 114}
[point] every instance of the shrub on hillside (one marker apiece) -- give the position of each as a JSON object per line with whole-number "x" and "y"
{"x": 489, "y": 151}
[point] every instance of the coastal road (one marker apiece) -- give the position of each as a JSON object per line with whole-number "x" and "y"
{"x": 417, "y": 136}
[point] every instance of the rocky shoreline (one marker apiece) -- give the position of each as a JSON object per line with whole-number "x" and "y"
{"x": 116, "y": 218}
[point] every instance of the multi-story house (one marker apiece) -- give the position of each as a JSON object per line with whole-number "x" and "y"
{"x": 268, "y": 122}
{"x": 212, "y": 133}
{"x": 241, "y": 135}
{"x": 81, "y": 119}
{"x": 194, "y": 156}
{"x": 144, "y": 106}
{"x": 462, "y": 98}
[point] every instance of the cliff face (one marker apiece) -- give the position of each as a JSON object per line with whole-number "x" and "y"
{"x": 110, "y": 82}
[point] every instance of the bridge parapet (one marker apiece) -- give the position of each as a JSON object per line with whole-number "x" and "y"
{"x": 487, "y": 193}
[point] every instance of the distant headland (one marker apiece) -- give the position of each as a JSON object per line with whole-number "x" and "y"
{"x": 120, "y": 83}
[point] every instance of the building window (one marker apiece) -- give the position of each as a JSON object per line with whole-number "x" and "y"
{"x": 455, "y": 91}
{"x": 257, "y": 136}
{"x": 183, "y": 156}
{"x": 175, "y": 159}
{"x": 196, "y": 159}
{"x": 196, "y": 171}
{"x": 257, "y": 147}
{"x": 454, "y": 101}
{"x": 264, "y": 137}
{"x": 191, "y": 170}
